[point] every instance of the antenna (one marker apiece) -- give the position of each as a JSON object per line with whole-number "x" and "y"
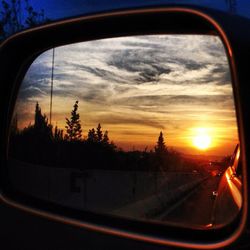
{"x": 52, "y": 80}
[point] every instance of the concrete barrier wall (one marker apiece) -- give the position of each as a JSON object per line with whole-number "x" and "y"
{"x": 95, "y": 190}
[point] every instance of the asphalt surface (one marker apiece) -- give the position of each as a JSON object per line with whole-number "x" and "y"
{"x": 196, "y": 208}
{"x": 21, "y": 230}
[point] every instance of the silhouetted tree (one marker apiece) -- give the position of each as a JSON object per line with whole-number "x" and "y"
{"x": 232, "y": 5}
{"x": 160, "y": 146}
{"x": 175, "y": 161}
{"x": 58, "y": 134}
{"x": 41, "y": 125}
{"x": 11, "y": 17}
{"x": 40, "y": 120}
{"x": 161, "y": 156}
{"x": 33, "y": 17}
{"x": 73, "y": 127}
{"x": 99, "y": 133}
{"x": 92, "y": 136}
{"x": 34, "y": 142}
{"x": 105, "y": 139}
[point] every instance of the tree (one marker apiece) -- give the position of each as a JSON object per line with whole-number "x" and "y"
{"x": 160, "y": 146}
{"x": 105, "y": 139}
{"x": 232, "y": 5}
{"x": 40, "y": 121}
{"x": 99, "y": 133}
{"x": 92, "y": 136}
{"x": 161, "y": 155}
{"x": 34, "y": 142}
{"x": 33, "y": 17}
{"x": 11, "y": 17}
{"x": 41, "y": 125}
{"x": 58, "y": 134}
{"x": 73, "y": 127}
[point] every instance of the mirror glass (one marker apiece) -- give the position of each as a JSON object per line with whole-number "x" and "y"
{"x": 140, "y": 127}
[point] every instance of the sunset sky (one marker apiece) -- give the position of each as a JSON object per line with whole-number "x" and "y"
{"x": 138, "y": 86}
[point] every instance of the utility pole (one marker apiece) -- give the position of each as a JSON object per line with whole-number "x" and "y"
{"x": 52, "y": 80}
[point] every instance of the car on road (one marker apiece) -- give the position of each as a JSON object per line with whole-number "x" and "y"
{"x": 228, "y": 197}
{"x": 219, "y": 174}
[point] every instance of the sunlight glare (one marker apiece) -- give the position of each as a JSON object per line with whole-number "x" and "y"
{"x": 202, "y": 140}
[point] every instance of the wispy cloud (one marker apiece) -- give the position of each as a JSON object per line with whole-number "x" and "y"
{"x": 158, "y": 82}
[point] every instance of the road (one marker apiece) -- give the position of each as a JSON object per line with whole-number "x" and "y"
{"x": 196, "y": 208}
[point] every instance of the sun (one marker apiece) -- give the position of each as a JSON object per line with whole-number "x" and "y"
{"x": 202, "y": 140}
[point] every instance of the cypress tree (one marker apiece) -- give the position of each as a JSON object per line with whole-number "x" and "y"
{"x": 41, "y": 126}
{"x": 73, "y": 127}
{"x": 99, "y": 133}
{"x": 160, "y": 146}
{"x": 92, "y": 136}
{"x": 105, "y": 139}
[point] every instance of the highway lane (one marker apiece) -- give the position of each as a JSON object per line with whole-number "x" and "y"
{"x": 196, "y": 209}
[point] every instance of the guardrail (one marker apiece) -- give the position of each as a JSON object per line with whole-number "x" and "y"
{"x": 106, "y": 191}
{"x": 158, "y": 203}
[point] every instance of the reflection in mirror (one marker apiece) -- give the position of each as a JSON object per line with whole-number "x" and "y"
{"x": 139, "y": 127}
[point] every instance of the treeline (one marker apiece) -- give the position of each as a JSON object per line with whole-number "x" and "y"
{"x": 16, "y": 15}
{"x": 41, "y": 144}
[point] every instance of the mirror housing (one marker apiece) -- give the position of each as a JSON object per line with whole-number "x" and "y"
{"x": 27, "y": 45}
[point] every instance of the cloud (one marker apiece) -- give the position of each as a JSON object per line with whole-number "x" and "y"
{"x": 135, "y": 85}
{"x": 210, "y": 100}
{"x": 145, "y": 64}
{"x": 138, "y": 60}
{"x": 116, "y": 119}
{"x": 143, "y": 45}
{"x": 161, "y": 102}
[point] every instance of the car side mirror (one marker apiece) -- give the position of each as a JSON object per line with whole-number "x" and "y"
{"x": 111, "y": 128}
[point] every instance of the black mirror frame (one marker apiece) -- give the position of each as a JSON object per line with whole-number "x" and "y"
{"x": 24, "y": 47}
